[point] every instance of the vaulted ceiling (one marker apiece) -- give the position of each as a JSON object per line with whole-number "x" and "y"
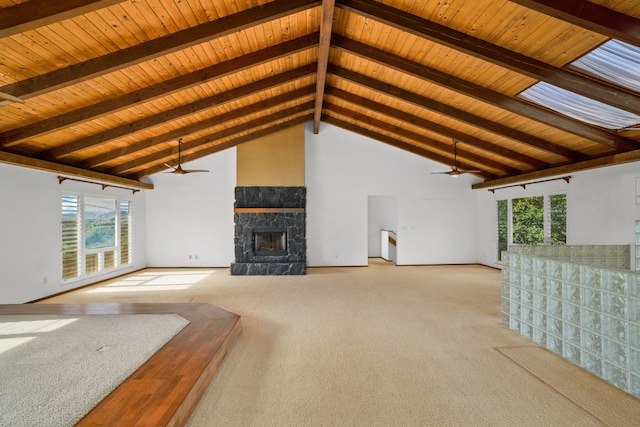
{"x": 104, "y": 89}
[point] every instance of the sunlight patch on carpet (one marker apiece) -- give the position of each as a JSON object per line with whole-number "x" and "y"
{"x": 54, "y": 369}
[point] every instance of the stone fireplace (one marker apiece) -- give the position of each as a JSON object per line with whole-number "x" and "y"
{"x": 270, "y": 231}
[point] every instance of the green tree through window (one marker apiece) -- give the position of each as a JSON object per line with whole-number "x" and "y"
{"x": 528, "y": 220}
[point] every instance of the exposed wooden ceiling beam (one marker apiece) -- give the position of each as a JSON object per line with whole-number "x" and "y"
{"x": 392, "y": 141}
{"x": 477, "y": 162}
{"x": 454, "y": 113}
{"x": 202, "y": 142}
{"x": 18, "y": 160}
{"x": 591, "y": 16}
{"x": 600, "y": 162}
{"x": 198, "y": 126}
{"x": 184, "y": 110}
{"x": 209, "y": 144}
{"x": 480, "y": 93}
{"x": 506, "y": 58}
{"x": 164, "y": 45}
{"x": 437, "y": 128}
{"x": 19, "y": 135}
{"x": 37, "y": 13}
{"x": 326, "y": 25}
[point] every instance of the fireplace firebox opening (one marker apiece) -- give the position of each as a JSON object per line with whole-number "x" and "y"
{"x": 270, "y": 241}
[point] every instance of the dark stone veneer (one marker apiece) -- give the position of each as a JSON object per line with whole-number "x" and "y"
{"x": 247, "y": 262}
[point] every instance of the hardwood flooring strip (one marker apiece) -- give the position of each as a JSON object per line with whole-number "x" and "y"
{"x": 165, "y": 390}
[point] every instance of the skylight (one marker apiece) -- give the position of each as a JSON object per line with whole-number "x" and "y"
{"x": 615, "y": 62}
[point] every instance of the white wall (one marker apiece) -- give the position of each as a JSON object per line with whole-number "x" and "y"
{"x": 343, "y": 169}
{"x": 190, "y": 217}
{"x": 601, "y": 208}
{"x": 30, "y": 218}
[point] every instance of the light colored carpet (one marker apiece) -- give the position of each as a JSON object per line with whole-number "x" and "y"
{"x": 375, "y": 346}
{"x": 55, "y": 369}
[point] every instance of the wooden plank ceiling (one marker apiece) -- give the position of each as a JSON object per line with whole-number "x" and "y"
{"x": 108, "y": 87}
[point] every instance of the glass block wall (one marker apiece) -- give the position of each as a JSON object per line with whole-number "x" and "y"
{"x": 589, "y": 315}
{"x": 610, "y": 256}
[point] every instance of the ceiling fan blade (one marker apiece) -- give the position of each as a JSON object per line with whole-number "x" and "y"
{"x": 194, "y": 170}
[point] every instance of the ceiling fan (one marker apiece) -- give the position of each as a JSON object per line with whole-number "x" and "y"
{"x": 455, "y": 171}
{"x": 177, "y": 170}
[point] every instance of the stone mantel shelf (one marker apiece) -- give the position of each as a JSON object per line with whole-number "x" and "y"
{"x": 269, "y": 210}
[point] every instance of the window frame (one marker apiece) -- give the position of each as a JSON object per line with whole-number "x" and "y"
{"x": 547, "y": 217}
{"x": 109, "y": 252}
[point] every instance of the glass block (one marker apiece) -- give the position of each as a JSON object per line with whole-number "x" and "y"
{"x": 514, "y": 293}
{"x": 571, "y": 313}
{"x": 616, "y": 376}
{"x": 527, "y": 297}
{"x": 577, "y": 251}
{"x": 540, "y": 284}
{"x": 624, "y": 251}
{"x": 591, "y": 363}
{"x": 592, "y": 277}
{"x": 505, "y": 287}
{"x": 514, "y": 277}
{"x": 554, "y": 326}
{"x": 599, "y": 251}
{"x": 571, "y": 272}
{"x": 571, "y": 353}
{"x": 514, "y": 324}
{"x": 555, "y": 270}
{"x": 540, "y": 267}
{"x": 615, "y": 329}
{"x": 572, "y": 334}
{"x": 634, "y": 364}
{"x": 611, "y": 251}
{"x": 592, "y": 320}
{"x": 571, "y": 293}
{"x": 504, "y": 305}
{"x": 514, "y": 309}
{"x": 635, "y": 385}
{"x": 505, "y": 259}
{"x": 615, "y": 282}
{"x": 634, "y": 335}
{"x": 554, "y": 344}
{"x": 514, "y": 260}
{"x": 592, "y": 299}
{"x": 634, "y": 283}
{"x": 615, "y": 305}
{"x": 554, "y": 308}
{"x": 527, "y": 281}
{"x": 554, "y": 288}
{"x": 505, "y": 318}
{"x": 634, "y": 309}
{"x": 527, "y": 263}
{"x": 587, "y": 251}
{"x": 540, "y": 337}
{"x": 616, "y": 353}
{"x": 539, "y": 302}
{"x": 540, "y": 320}
{"x": 592, "y": 342}
{"x": 527, "y": 315}
{"x": 526, "y": 330}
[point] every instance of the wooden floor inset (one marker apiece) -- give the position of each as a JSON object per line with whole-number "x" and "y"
{"x": 166, "y": 389}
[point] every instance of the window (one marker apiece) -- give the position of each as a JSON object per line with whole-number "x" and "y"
{"x": 503, "y": 227}
{"x": 537, "y": 220}
{"x": 96, "y": 234}
{"x": 70, "y": 237}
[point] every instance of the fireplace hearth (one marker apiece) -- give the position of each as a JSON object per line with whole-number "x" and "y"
{"x": 270, "y": 231}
